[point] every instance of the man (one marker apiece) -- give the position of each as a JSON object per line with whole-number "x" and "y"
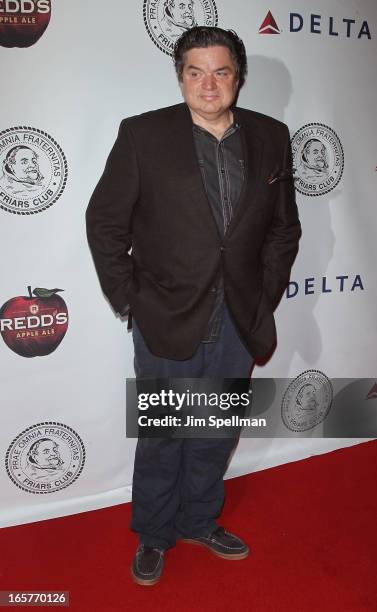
{"x": 178, "y": 16}
{"x": 197, "y": 191}
{"x": 21, "y": 172}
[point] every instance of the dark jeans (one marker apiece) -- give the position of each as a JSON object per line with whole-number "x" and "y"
{"x": 178, "y": 487}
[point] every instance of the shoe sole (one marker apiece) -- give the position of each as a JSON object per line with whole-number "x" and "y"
{"x": 144, "y": 582}
{"x": 235, "y": 557}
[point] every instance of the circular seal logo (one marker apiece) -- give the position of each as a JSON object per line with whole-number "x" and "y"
{"x": 306, "y": 401}
{"x": 166, "y": 20}
{"x": 318, "y": 158}
{"x": 35, "y": 324}
{"x": 45, "y": 458}
{"x": 33, "y": 170}
{"x": 22, "y": 22}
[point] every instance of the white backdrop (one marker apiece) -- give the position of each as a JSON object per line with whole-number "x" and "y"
{"x": 94, "y": 65}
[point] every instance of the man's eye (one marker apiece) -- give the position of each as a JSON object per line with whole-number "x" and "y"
{"x": 221, "y": 73}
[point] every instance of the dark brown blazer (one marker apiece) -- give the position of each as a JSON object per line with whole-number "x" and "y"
{"x": 151, "y": 198}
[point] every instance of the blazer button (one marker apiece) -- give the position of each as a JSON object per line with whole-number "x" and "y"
{"x": 222, "y": 248}
{"x": 214, "y": 289}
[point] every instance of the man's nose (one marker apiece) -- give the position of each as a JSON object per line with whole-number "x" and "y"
{"x": 209, "y": 81}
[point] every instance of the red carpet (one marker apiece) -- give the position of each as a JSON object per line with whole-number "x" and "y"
{"x": 312, "y": 527}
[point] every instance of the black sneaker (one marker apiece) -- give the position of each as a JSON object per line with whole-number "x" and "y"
{"x": 147, "y": 565}
{"x": 222, "y": 543}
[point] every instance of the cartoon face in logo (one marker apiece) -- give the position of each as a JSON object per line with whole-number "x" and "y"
{"x": 44, "y": 458}
{"x": 178, "y": 16}
{"x": 314, "y": 165}
{"x": 21, "y": 173}
{"x": 306, "y": 398}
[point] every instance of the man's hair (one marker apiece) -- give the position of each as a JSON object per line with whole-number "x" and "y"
{"x": 201, "y": 37}
{"x": 11, "y": 155}
{"x": 33, "y": 450}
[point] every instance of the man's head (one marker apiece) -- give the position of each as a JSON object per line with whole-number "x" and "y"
{"x": 181, "y": 12}
{"x": 44, "y": 453}
{"x": 22, "y": 162}
{"x": 211, "y": 67}
{"x": 314, "y": 154}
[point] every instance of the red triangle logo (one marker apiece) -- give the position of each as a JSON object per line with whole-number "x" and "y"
{"x": 269, "y": 25}
{"x": 373, "y": 392}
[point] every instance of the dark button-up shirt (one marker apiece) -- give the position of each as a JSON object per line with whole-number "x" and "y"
{"x": 222, "y": 166}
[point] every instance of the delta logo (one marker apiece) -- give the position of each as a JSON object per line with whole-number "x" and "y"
{"x": 22, "y": 22}
{"x": 35, "y": 324}
{"x": 318, "y": 24}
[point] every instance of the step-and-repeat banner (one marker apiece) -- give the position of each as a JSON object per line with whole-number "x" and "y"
{"x": 71, "y": 70}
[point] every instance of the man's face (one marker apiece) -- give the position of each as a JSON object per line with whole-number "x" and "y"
{"x": 25, "y": 166}
{"x": 47, "y": 454}
{"x": 316, "y": 155}
{"x": 209, "y": 81}
{"x": 183, "y": 12}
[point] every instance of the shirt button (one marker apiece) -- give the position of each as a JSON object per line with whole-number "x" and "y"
{"x": 214, "y": 289}
{"x": 222, "y": 248}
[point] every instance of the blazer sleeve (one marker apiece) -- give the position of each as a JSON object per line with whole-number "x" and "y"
{"x": 109, "y": 220}
{"x": 281, "y": 242}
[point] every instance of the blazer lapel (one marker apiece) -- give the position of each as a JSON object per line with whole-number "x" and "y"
{"x": 252, "y": 146}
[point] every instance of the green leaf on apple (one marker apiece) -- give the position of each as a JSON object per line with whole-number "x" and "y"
{"x": 45, "y": 293}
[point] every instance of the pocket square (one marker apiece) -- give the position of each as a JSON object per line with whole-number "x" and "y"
{"x": 283, "y": 174}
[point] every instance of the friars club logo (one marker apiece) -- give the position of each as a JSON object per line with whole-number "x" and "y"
{"x": 306, "y": 401}
{"x": 33, "y": 170}
{"x": 22, "y": 22}
{"x": 166, "y": 20}
{"x": 45, "y": 458}
{"x": 35, "y": 324}
{"x": 318, "y": 159}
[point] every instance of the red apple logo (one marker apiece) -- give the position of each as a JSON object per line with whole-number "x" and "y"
{"x": 22, "y": 22}
{"x": 34, "y": 325}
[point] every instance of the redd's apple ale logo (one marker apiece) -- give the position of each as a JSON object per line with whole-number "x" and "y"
{"x": 22, "y": 22}
{"x": 35, "y": 324}
{"x": 33, "y": 170}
